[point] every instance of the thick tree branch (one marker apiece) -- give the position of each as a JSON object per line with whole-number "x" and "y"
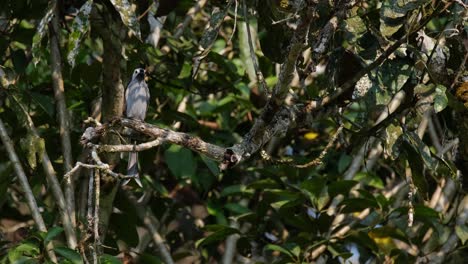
{"x": 194, "y": 143}
{"x": 265, "y": 126}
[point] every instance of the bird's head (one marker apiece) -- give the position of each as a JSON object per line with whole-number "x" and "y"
{"x": 139, "y": 74}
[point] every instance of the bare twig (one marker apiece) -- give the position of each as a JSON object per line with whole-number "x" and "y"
{"x": 106, "y": 167}
{"x": 253, "y": 57}
{"x": 59, "y": 93}
{"x": 36, "y": 215}
{"x": 235, "y": 22}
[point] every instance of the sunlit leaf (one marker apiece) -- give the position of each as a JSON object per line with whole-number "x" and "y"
{"x": 209, "y": 36}
{"x": 79, "y": 28}
{"x": 393, "y": 12}
{"x": 462, "y": 232}
{"x": 393, "y": 133}
{"x": 127, "y": 15}
{"x": 440, "y": 98}
{"x": 41, "y": 30}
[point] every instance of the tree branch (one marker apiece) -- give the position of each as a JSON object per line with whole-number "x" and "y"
{"x": 36, "y": 215}
{"x": 53, "y": 182}
{"x": 151, "y": 224}
{"x": 59, "y": 93}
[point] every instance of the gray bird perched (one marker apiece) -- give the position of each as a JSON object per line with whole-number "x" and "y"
{"x": 136, "y": 100}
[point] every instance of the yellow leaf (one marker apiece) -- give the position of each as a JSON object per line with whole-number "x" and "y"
{"x": 311, "y": 135}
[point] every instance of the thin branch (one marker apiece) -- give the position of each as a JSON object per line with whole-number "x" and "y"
{"x": 97, "y": 192}
{"x": 315, "y": 162}
{"x": 253, "y": 57}
{"x": 189, "y": 17}
{"x": 59, "y": 93}
{"x": 235, "y": 22}
{"x": 129, "y": 148}
{"x": 36, "y": 215}
{"x": 104, "y": 167}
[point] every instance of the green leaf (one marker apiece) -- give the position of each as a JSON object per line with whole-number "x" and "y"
{"x": 417, "y": 168}
{"x": 69, "y": 254}
{"x": 127, "y": 15}
{"x": 235, "y": 189}
{"x": 237, "y": 208}
{"x": 186, "y": 70}
{"x": 370, "y": 179}
{"x": 211, "y": 164}
{"x": 314, "y": 186}
{"x": 440, "y": 98}
{"x": 108, "y": 259}
{"x": 34, "y": 147}
{"x": 355, "y": 27}
{"x": 180, "y": 162}
{"x": 422, "y": 149}
{"x": 27, "y": 248}
{"x": 393, "y": 12}
{"x": 340, "y": 187}
{"x": 462, "y": 232}
{"x": 41, "y": 30}
{"x": 392, "y": 146}
{"x": 357, "y": 204}
{"x": 45, "y": 102}
{"x": 272, "y": 247}
{"x": 220, "y": 234}
{"x": 344, "y": 254}
{"x": 424, "y": 212}
{"x": 79, "y": 28}
{"x": 52, "y": 233}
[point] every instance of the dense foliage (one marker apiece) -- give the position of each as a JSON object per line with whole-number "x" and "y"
{"x": 342, "y": 123}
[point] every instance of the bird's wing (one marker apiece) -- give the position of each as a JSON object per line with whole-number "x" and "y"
{"x": 147, "y": 91}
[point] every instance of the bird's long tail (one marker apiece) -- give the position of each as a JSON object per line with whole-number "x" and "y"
{"x": 132, "y": 168}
